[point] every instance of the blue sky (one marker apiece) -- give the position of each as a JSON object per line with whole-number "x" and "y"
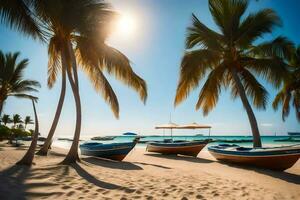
{"x": 155, "y": 50}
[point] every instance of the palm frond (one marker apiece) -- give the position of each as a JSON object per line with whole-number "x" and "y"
{"x": 255, "y": 26}
{"x": 194, "y": 66}
{"x": 278, "y": 100}
{"x": 54, "y": 62}
{"x": 280, "y": 47}
{"x": 227, "y": 15}
{"x": 112, "y": 61}
{"x": 274, "y": 70}
{"x": 211, "y": 89}
{"x": 102, "y": 86}
{"x": 254, "y": 89}
{"x": 199, "y": 34}
{"x": 18, "y": 14}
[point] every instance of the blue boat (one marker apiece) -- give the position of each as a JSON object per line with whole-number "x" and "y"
{"x": 275, "y": 158}
{"x": 113, "y": 151}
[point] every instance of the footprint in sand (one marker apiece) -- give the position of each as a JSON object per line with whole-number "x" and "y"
{"x": 70, "y": 193}
{"x": 65, "y": 187}
{"x": 199, "y": 196}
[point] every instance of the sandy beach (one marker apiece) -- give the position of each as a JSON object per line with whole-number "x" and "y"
{"x": 141, "y": 175}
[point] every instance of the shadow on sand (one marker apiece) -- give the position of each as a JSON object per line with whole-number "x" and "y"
{"x": 286, "y": 176}
{"x": 153, "y": 165}
{"x": 91, "y": 179}
{"x": 179, "y": 157}
{"x": 23, "y": 182}
{"x": 111, "y": 163}
{"x": 13, "y": 180}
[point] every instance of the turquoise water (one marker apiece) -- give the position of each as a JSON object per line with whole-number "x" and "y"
{"x": 266, "y": 140}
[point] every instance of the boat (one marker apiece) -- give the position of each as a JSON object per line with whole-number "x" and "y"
{"x": 181, "y": 147}
{"x": 289, "y": 139}
{"x": 294, "y": 134}
{"x": 129, "y": 134}
{"x": 113, "y": 151}
{"x": 104, "y": 138}
{"x": 235, "y": 141}
{"x": 188, "y": 148}
{"x": 275, "y": 158}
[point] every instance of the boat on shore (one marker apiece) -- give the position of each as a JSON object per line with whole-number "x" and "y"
{"x": 188, "y": 148}
{"x": 275, "y": 158}
{"x": 103, "y": 138}
{"x": 113, "y": 151}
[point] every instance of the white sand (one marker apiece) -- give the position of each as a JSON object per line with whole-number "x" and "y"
{"x": 142, "y": 175}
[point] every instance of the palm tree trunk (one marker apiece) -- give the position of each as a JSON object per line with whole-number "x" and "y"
{"x": 44, "y": 150}
{"x": 1, "y": 107}
{"x": 72, "y": 155}
{"x": 28, "y": 157}
{"x": 251, "y": 116}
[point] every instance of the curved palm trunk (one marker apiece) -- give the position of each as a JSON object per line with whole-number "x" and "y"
{"x": 251, "y": 116}
{"x": 1, "y": 106}
{"x": 44, "y": 150}
{"x": 28, "y": 157}
{"x": 72, "y": 155}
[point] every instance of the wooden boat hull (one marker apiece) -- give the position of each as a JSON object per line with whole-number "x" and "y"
{"x": 117, "y": 152}
{"x": 275, "y": 160}
{"x": 184, "y": 148}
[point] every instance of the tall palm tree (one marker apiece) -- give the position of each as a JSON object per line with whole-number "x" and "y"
{"x": 27, "y": 121}
{"x": 84, "y": 21}
{"x": 16, "y": 120}
{"x": 290, "y": 92}
{"x": 232, "y": 58}
{"x": 6, "y": 119}
{"x": 12, "y": 81}
{"x": 20, "y": 15}
{"x": 29, "y": 155}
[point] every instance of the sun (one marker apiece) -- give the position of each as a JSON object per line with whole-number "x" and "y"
{"x": 126, "y": 25}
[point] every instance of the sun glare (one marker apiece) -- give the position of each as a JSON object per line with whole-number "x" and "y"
{"x": 126, "y": 25}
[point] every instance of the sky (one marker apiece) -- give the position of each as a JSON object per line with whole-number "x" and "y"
{"x": 155, "y": 47}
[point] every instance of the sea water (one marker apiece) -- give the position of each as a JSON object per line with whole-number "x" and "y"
{"x": 267, "y": 141}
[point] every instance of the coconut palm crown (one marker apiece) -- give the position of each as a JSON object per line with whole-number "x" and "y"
{"x": 232, "y": 58}
{"x": 12, "y": 82}
{"x": 5, "y": 119}
{"x": 290, "y": 91}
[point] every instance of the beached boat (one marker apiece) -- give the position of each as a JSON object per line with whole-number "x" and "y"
{"x": 275, "y": 158}
{"x": 191, "y": 148}
{"x": 114, "y": 151}
{"x": 103, "y": 138}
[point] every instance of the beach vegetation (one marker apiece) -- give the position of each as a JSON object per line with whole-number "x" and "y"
{"x": 289, "y": 94}
{"x": 233, "y": 58}
{"x": 12, "y": 82}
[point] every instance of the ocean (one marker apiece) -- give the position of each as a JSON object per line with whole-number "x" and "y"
{"x": 266, "y": 140}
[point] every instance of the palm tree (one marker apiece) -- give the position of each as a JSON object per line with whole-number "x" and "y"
{"x": 29, "y": 155}
{"x": 19, "y": 15}
{"x": 27, "y": 121}
{"x": 232, "y": 58}
{"x": 290, "y": 92}
{"x": 12, "y": 82}
{"x": 16, "y": 120}
{"x": 6, "y": 119}
{"x": 80, "y": 23}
